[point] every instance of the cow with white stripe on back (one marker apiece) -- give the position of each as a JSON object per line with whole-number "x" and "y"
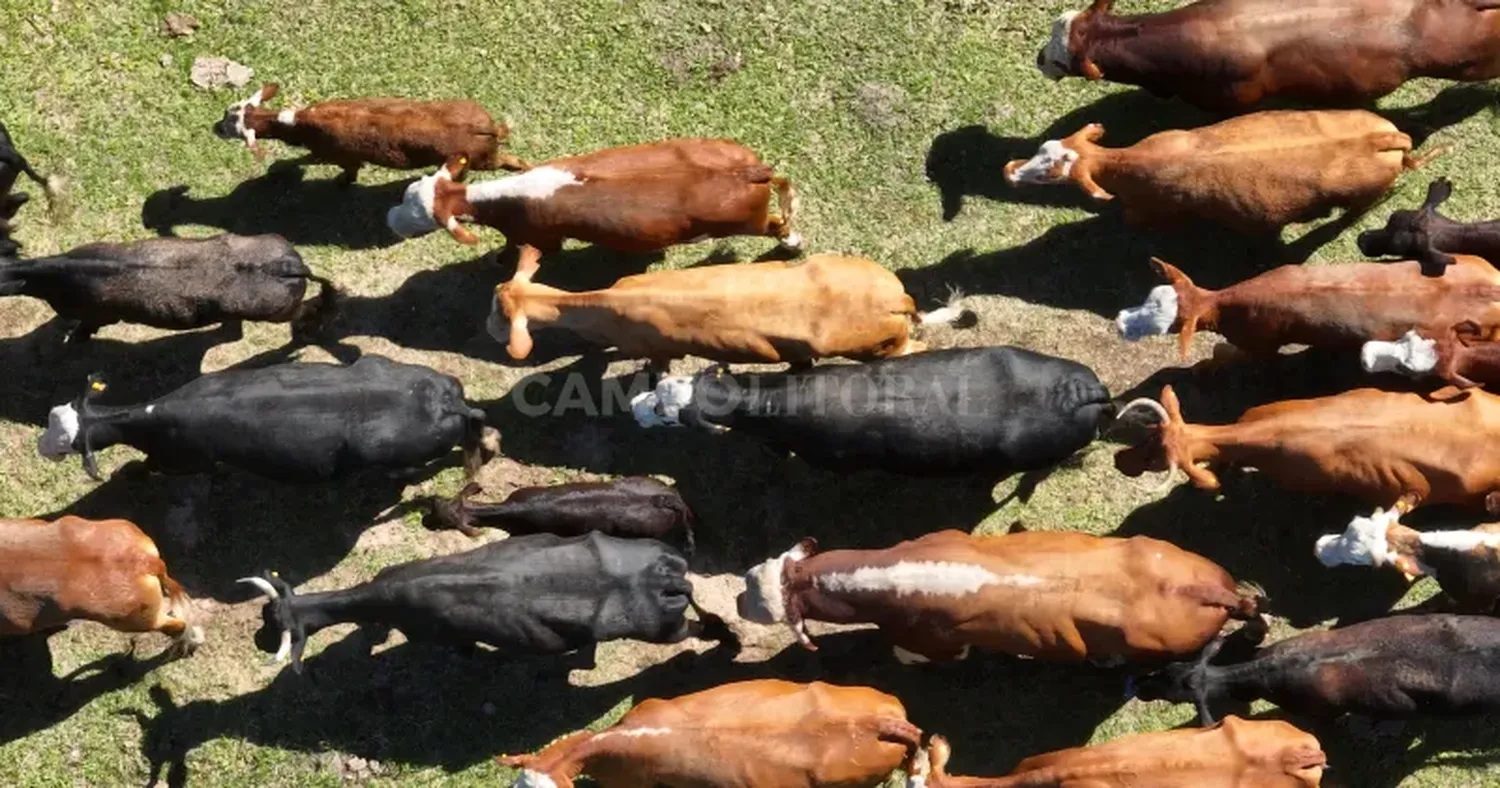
{"x": 1053, "y": 595}
{"x": 1465, "y": 563}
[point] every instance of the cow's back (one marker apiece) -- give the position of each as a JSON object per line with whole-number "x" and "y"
{"x": 52, "y": 571}
{"x": 390, "y": 132}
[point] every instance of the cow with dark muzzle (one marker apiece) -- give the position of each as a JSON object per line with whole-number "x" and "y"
{"x": 289, "y": 422}
{"x": 948, "y": 412}
{"x": 636, "y": 507}
{"x": 527, "y": 595}
{"x": 1431, "y": 238}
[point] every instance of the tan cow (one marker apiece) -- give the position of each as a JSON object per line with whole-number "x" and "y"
{"x": 1054, "y": 595}
{"x": 107, "y": 571}
{"x": 751, "y": 734}
{"x": 1255, "y": 174}
{"x": 823, "y": 307}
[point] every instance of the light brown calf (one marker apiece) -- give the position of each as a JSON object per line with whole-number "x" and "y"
{"x": 751, "y": 734}
{"x": 1235, "y": 753}
{"x": 824, "y": 307}
{"x": 1465, "y": 563}
{"x": 1255, "y": 174}
{"x": 1055, "y": 595}
{"x": 75, "y": 569}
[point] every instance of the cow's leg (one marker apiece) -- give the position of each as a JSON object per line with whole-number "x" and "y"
{"x": 81, "y": 332}
{"x": 656, "y": 369}
{"x": 350, "y": 174}
{"x": 919, "y": 646}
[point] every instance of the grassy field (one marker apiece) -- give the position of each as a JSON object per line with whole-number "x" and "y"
{"x": 894, "y": 118}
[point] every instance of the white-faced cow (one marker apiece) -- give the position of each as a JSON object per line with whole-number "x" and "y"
{"x": 1465, "y": 563}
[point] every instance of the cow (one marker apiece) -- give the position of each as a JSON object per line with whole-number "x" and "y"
{"x": 998, "y": 410}
{"x": 1230, "y": 55}
{"x": 822, "y": 307}
{"x": 402, "y": 134}
{"x": 635, "y": 199}
{"x": 1330, "y": 306}
{"x": 749, "y": 734}
{"x": 1254, "y": 174}
{"x": 1431, "y": 238}
{"x": 1235, "y": 753}
{"x": 1395, "y": 667}
{"x": 526, "y": 595}
{"x": 175, "y": 283}
{"x": 72, "y": 569}
{"x": 636, "y": 507}
{"x": 1465, "y": 563}
{"x": 1454, "y": 357}
{"x": 1062, "y": 596}
{"x": 1393, "y": 449}
{"x": 12, "y": 166}
{"x": 288, "y": 422}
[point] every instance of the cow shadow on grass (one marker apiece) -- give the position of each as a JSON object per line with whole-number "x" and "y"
{"x": 424, "y": 705}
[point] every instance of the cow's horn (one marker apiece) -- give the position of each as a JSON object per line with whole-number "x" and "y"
{"x": 286, "y": 647}
{"x": 265, "y": 587}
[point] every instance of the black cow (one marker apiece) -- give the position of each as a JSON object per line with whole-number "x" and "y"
{"x": 637, "y": 507}
{"x": 999, "y": 409}
{"x": 1430, "y": 238}
{"x": 289, "y": 422}
{"x": 174, "y": 283}
{"x": 527, "y": 595}
{"x": 1400, "y": 666}
{"x": 12, "y": 165}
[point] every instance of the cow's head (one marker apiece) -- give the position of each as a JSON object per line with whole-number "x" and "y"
{"x": 1063, "y": 55}
{"x": 1169, "y": 450}
{"x": 68, "y": 427}
{"x": 233, "y": 125}
{"x": 764, "y": 599}
{"x": 1377, "y": 540}
{"x": 1408, "y": 234}
{"x": 1410, "y": 355}
{"x": 1062, "y": 161}
{"x": 509, "y": 319}
{"x": 280, "y": 631}
{"x": 434, "y": 201}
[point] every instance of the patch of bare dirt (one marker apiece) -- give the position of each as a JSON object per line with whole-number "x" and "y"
{"x": 879, "y": 105}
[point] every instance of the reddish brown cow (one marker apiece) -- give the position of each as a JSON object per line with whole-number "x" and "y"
{"x": 1232, "y": 54}
{"x": 1465, "y": 356}
{"x": 1338, "y": 306}
{"x": 751, "y": 734}
{"x": 640, "y": 198}
{"x": 824, "y": 307}
{"x": 1255, "y": 174}
{"x": 1465, "y": 563}
{"x": 1235, "y": 753}
{"x": 1398, "y": 450}
{"x": 75, "y": 569}
{"x": 402, "y": 134}
{"x": 1055, "y": 595}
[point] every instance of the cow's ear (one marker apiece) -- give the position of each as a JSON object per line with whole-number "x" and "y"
{"x": 1100, "y": 7}
{"x": 805, "y": 549}
{"x": 267, "y": 92}
{"x": 1090, "y": 70}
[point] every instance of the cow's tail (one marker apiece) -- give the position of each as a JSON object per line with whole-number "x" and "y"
{"x": 454, "y": 512}
{"x": 675, "y": 504}
{"x": 790, "y": 203}
{"x": 316, "y": 313}
{"x": 53, "y": 186}
{"x": 952, "y": 313}
{"x": 180, "y": 606}
{"x": 481, "y": 443}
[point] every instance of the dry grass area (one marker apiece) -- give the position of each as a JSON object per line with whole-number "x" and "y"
{"x": 893, "y": 117}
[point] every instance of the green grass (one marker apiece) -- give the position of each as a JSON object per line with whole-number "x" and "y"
{"x": 857, "y": 102}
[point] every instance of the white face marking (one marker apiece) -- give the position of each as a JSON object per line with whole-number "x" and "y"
{"x": 663, "y": 407}
{"x": 921, "y": 766}
{"x": 413, "y": 217}
{"x": 1410, "y": 355}
{"x": 1462, "y": 541}
{"x": 287, "y": 117}
{"x": 932, "y": 578}
{"x": 1057, "y": 59}
{"x": 150, "y": 409}
{"x": 1362, "y": 543}
{"x": 536, "y": 184}
{"x": 1156, "y": 316}
{"x": 1040, "y": 168}
{"x": 533, "y": 779}
{"x": 763, "y": 600}
{"x": 62, "y": 431}
{"x": 793, "y": 242}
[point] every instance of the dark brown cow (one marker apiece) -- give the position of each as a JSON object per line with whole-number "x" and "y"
{"x": 1465, "y": 563}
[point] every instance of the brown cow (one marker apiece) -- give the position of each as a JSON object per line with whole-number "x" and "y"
{"x": 1232, "y": 54}
{"x": 1398, "y": 450}
{"x": 1255, "y": 174}
{"x": 1056, "y": 595}
{"x": 1465, "y": 563}
{"x": 641, "y": 198}
{"x": 751, "y": 734}
{"x": 823, "y": 307}
{"x": 402, "y": 134}
{"x": 75, "y": 569}
{"x": 1465, "y": 356}
{"x": 1235, "y": 753}
{"x": 1338, "y": 306}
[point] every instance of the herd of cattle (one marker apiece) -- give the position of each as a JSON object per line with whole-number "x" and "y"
{"x": 587, "y": 563}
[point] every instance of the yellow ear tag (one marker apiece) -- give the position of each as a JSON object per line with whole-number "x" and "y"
{"x": 98, "y": 386}
{"x": 274, "y": 573}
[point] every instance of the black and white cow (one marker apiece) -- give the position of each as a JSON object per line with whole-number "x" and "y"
{"x": 636, "y": 507}
{"x": 1431, "y": 238}
{"x": 1000, "y": 409}
{"x": 12, "y": 166}
{"x": 174, "y": 283}
{"x": 1400, "y": 666}
{"x": 289, "y": 422}
{"x": 526, "y": 595}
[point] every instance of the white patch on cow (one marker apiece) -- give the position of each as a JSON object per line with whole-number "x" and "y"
{"x": 1057, "y": 58}
{"x": 1410, "y": 355}
{"x": 663, "y": 406}
{"x": 909, "y": 657}
{"x": 1039, "y": 168}
{"x": 1154, "y": 317}
{"x": 921, "y": 766}
{"x": 1462, "y": 541}
{"x": 413, "y": 217}
{"x": 287, "y": 117}
{"x": 535, "y": 184}
{"x": 150, "y": 409}
{"x": 793, "y": 242}
{"x": 531, "y": 778}
{"x": 633, "y": 733}
{"x": 62, "y": 431}
{"x": 932, "y": 578}
{"x": 1362, "y": 543}
{"x": 764, "y": 599}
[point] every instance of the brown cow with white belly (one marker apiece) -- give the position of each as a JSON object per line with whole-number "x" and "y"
{"x": 641, "y": 198}
{"x": 1254, "y": 174}
{"x": 1395, "y": 450}
{"x": 1232, "y": 54}
{"x": 71, "y": 569}
{"x": 1465, "y": 563}
{"x": 751, "y": 734}
{"x": 1053, "y": 595}
{"x": 1331, "y": 306}
{"x": 1235, "y": 753}
{"x": 826, "y": 306}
